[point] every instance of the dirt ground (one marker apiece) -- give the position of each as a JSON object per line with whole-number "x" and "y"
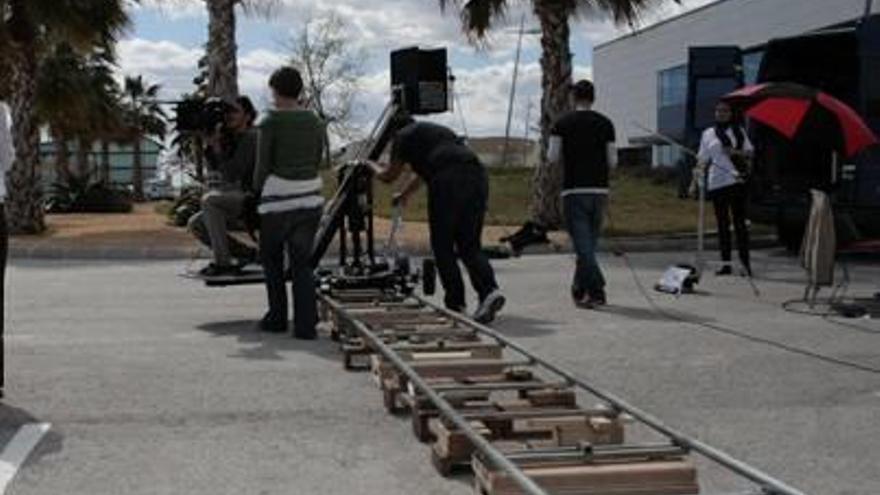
{"x": 145, "y": 228}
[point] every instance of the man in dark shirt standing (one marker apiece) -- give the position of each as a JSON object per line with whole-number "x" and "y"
{"x": 583, "y": 140}
{"x": 458, "y": 192}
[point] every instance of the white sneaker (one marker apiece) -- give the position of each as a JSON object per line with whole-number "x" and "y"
{"x": 490, "y": 306}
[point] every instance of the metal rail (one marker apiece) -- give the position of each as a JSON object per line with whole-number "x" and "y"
{"x": 769, "y": 485}
{"x": 496, "y": 458}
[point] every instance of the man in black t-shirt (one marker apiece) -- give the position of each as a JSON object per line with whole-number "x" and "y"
{"x": 583, "y": 140}
{"x": 458, "y": 192}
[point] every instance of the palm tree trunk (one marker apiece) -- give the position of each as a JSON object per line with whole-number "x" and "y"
{"x": 555, "y": 82}
{"x": 222, "y": 64}
{"x": 137, "y": 171}
{"x": 25, "y": 201}
{"x": 105, "y": 161}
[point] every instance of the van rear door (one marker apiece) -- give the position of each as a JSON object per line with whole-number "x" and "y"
{"x": 713, "y": 71}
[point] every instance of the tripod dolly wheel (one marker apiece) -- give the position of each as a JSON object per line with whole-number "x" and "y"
{"x": 429, "y": 276}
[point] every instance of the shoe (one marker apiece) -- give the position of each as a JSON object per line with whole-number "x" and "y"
{"x": 306, "y": 336}
{"x": 597, "y": 299}
{"x": 489, "y": 307}
{"x": 591, "y": 302}
{"x": 584, "y": 303}
{"x": 215, "y": 270}
{"x": 249, "y": 259}
{"x": 724, "y": 271}
{"x": 271, "y": 325}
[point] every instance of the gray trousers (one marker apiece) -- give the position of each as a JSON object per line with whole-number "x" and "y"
{"x": 210, "y": 226}
{"x": 295, "y": 231}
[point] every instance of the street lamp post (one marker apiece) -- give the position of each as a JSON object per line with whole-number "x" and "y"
{"x": 526, "y": 146}
{"x": 522, "y": 22}
{"x": 522, "y": 30}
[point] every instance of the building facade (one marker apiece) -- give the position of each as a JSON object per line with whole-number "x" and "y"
{"x": 120, "y": 158}
{"x": 642, "y": 78}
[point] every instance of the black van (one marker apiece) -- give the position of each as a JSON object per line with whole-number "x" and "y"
{"x": 843, "y": 61}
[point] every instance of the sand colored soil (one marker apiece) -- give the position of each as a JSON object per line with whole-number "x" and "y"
{"x": 145, "y": 228}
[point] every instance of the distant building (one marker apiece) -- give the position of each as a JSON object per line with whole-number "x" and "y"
{"x": 520, "y": 153}
{"x": 642, "y": 78}
{"x": 121, "y": 160}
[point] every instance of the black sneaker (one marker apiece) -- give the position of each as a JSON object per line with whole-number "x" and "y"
{"x": 272, "y": 326}
{"x": 724, "y": 271}
{"x": 249, "y": 259}
{"x": 489, "y": 307}
{"x": 597, "y": 300}
{"x": 215, "y": 270}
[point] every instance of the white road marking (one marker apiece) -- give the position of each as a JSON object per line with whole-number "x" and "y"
{"x": 18, "y": 449}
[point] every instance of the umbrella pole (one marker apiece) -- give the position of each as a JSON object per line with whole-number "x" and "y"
{"x": 701, "y": 224}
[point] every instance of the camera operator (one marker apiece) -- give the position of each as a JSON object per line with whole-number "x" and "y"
{"x": 458, "y": 192}
{"x": 231, "y": 154}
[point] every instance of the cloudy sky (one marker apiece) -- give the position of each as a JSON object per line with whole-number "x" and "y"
{"x": 167, "y": 38}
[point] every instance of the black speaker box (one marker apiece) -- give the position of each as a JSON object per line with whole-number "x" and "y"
{"x": 422, "y": 76}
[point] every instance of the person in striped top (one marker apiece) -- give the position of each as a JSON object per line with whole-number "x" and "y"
{"x": 290, "y": 144}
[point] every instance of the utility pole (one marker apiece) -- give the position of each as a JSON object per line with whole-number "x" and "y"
{"x": 522, "y": 22}
{"x": 868, "y": 7}
{"x": 526, "y": 147}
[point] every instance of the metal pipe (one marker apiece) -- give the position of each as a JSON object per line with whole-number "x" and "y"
{"x": 481, "y": 444}
{"x": 769, "y": 484}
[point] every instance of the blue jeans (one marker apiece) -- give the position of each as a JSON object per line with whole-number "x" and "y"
{"x": 583, "y": 217}
{"x": 294, "y": 230}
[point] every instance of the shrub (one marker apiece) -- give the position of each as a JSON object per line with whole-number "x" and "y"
{"x": 79, "y": 194}
{"x": 185, "y": 206}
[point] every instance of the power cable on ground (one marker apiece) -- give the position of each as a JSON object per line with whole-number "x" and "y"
{"x": 726, "y": 330}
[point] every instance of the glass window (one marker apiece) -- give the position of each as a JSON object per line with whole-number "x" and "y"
{"x": 751, "y": 65}
{"x": 672, "y": 88}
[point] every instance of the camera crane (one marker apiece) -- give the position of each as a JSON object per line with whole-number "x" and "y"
{"x": 419, "y": 86}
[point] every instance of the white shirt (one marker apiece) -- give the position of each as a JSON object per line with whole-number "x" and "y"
{"x": 7, "y": 152}
{"x": 722, "y": 172}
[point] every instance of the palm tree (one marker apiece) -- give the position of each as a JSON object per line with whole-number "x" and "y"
{"x": 105, "y": 108}
{"x": 63, "y": 84}
{"x": 553, "y": 15}
{"x": 144, "y": 117}
{"x": 29, "y": 28}
{"x": 221, "y": 47}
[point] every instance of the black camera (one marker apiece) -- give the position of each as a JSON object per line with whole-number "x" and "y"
{"x": 201, "y": 115}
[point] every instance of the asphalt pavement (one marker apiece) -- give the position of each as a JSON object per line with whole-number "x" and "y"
{"x": 155, "y": 384}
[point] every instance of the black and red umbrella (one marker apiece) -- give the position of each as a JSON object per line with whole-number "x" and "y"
{"x": 796, "y": 110}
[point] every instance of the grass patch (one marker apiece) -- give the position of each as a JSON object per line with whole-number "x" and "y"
{"x": 641, "y": 203}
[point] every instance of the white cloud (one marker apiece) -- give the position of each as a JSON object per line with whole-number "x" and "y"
{"x": 164, "y": 62}
{"x": 378, "y": 26}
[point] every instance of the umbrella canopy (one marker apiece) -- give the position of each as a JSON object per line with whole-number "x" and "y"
{"x": 806, "y": 113}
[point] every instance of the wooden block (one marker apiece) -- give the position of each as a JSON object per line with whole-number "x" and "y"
{"x": 456, "y": 368}
{"x": 446, "y": 348}
{"x": 514, "y": 405}
{"x": 551, "y": 397}
{"x": 573, "y": 430}
{"x": 676, "y": 477}
{"x": 451, "y": 444}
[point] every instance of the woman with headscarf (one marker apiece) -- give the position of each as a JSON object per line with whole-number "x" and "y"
{"x": 726, "y": 150}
